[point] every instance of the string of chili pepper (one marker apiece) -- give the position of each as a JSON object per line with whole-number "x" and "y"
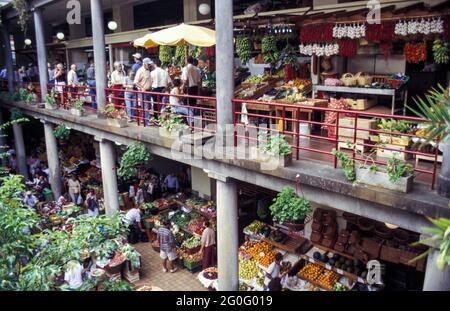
{"x": 347, "y": 47}
{"x": 316, "y": 33}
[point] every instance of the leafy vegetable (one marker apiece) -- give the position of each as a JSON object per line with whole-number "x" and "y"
{"x": 397, "y": 168}
{"x": 243, "y": 49}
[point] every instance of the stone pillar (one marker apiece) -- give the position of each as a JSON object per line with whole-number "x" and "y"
{"x": 98, "y": 38}
{"x": 109, "y": 176}
{"x": 436, "y": 279}
{"x": 227, "y": 233}
{"x": 53, "y": 160}
{"x": 20, "y": 150}
{"x": 8, "y": 57}
{"x": 443, "y": 181}
{"x": 224, "y": 61}
{"x": 41, "y": 52}
{"x": 111, "y": 57}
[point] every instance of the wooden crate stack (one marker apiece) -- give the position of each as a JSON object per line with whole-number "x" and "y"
{"x": 362, "y": 136}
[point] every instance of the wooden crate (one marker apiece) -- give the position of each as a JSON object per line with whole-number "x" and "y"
{"x": 361, "y": 104}
{"x": 429, "y": 158}
{"x": 359, "y": 144}
{"x": 365, "y": 124}
{"x": 384, "y": 153}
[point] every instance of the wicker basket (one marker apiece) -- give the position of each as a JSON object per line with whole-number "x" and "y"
{"x": 348, "y": 79}
{"x": 363, "y": 79}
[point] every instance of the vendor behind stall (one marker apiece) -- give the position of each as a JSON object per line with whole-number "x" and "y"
{"x": 91, "y": 203}
{"x": 133, "y": 220}
{"x": 273, "y": 271}
{"x": 74, "y": 190}
{"x": 208, "y": 246}
{"x": 171, "y": 183}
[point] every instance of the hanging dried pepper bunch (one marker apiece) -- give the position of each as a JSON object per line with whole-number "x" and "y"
{"x": 347, "y": 47}
{"x": 321, "y": 33}
{"x": 415, "y": 52}
{"x": 381, "y": 32}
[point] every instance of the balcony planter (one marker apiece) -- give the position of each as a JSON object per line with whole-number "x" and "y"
{"x": 50, "y": 107}
{"x": 120, "y": 123}
{"x": 77, "y": 112}
{"x": 298, "y": 226}
{"x": 270, "y": 160}
{"x": 175, "y": 133}
{"x": 381, "y": 179}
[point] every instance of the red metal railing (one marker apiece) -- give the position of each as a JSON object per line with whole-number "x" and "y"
{"x": 287, "y": 119}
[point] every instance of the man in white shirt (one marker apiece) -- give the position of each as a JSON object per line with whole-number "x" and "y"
{"x": 30, "y": 199}
{"x": 72, "y": 77}
{"x": 143, "y": 82}
{"x": 160, "y": 81}
{"x": 133, "y": 220}
{"x": 273, "y": 271}
{"x": 191, "y": 80}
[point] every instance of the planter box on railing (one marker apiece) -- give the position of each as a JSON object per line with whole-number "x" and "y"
{"x": 173, "y": 134}
{"x": 120, "y": 123}
{"x": 270, "y": 161}
{"x": 381, "y": 179}
{"x": 76, "y": 112}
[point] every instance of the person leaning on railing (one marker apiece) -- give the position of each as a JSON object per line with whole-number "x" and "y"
{"x": 143, "y": 82}
{"x": 90, "y": 79}
{"x": 117, "y": 82}
{"x": 160, "y": 81}
{"x": 130, "y": 97}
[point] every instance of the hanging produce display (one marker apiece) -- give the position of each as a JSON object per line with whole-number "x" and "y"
{"x": 415, "y": 52}
{"x": 319, "y": 49}
{"x": 347, "y": 47}
{"x": 180, "y": 55}
{"x": 441, "y": 51}
{"x": 244, "y": 49}
{"x": 322, "y": 33}
{"x": 269, "y": 49}
{"x": 424, "y": 26}
{"x": 381, "y": 32}
{"x": 349, "y": 31}
{"x": 290, "y": 62}
{"x": 165, "y": 55}
{"x": 387, "y": 48}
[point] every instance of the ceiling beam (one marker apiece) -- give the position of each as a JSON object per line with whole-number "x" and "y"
{"x": 439, "y": 6}
{"x": 418, "y": 5}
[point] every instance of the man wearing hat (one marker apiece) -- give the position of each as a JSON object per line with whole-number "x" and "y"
{"x": 137, "y": 62}
{"x": 143, "y": 82}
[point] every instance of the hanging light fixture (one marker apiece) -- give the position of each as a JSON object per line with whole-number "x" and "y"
{"x": 390, "y": 226}
{"x": 204, "y": 9}
{"x": 60, "y": 35}
{"x": 112, "y": 25}
{"x": 28, "y": 41}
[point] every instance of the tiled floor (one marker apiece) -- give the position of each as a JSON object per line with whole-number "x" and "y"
{"x": 151, "y": 273}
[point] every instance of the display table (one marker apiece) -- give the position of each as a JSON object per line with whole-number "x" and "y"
{"x": 207, "y": 282}
{"x": 367, "y": 91}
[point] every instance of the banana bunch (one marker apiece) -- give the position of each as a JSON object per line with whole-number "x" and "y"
{"x": 441, "y": 51}
{"x": 243, "y": 49}
{"x": 165, "y": 55}
{"x": 269, "y": 49}
{"x": 180, "y": 55}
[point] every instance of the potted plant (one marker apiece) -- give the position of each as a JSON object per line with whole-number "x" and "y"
{"x": 290, "y": 209}
{"x": 61, "y": 132}
{"x": 171, "y": 123}
{"x": 77, "y": 108}
{"x": 115, "y": 117}
{"x": 397, "y": 176}
{"x": 273, "y": 150}
{"x": 50, "y": 101}
{"x": 135, "y": 156}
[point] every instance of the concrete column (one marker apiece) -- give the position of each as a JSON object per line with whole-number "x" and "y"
{"x": 20, "y": 150}
{"x": 227, "y": 233}
{"x": 435, "y": 279}
{"x": 109, "y": 176}
{"x": 98, "y": 38}
{"x": 41, "y": 52}
{"x": 224, "y": 61}
{"x": 443, "y": 181}
{"x": 111, "y": 57}
{"x": 53, "y": 160}
{"x": 8, "y": 57}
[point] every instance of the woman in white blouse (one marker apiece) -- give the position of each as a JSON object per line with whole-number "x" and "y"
{"x": 117, "y": 82}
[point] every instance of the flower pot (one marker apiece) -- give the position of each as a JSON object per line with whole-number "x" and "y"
{"x": 295, "y": 226}
{"x": 120, "y": 123}
{"x": 381, "y": 179}
{"x": 50, "y": 107}
{"x": 76, "y": 112}
{"x": 269, "y": 162}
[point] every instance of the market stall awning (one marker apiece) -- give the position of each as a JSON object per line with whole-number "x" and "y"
{"x": 179, "y": 35}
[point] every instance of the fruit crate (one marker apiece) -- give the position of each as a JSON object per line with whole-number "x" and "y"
{"x": 192, "y": 266}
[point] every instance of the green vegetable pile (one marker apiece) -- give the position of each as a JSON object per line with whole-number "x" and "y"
{"x": 441, "y": 51}
{"x": 165, "y": 55}
{"x": 243, "y": 49}
{"x": 182, "y": 219}
{"x": 270, "y": 49}
{"x": 192, "y": 242}
{"x": 392, "y": 125}
{"x": 290, "y": 57}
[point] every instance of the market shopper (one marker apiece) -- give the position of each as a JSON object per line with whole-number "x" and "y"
{"x": 191, "y": 80}
{"x": 59, "y": 77}
{"x": 137, "y": 62}
{"x": 117, "y": 82}
{"x": 168, "y": 251}
{"x": 143, "y": 82}
{"x": 208, "y": 247}
{"x": 30, "y": 199}
{"x": 133, "y": 220}
{"x": 273, "y": 271}
{"x": 130, "y": 95}
{"x": 171, "y": 183}
{"x": 91, "y": 203}
{"x": 74, "y": 187}
{"x": 72, "y": 77}
{"x": 177, "y": 103}
{"x": 90, "y": 79}
{"x": 160, "y": 81}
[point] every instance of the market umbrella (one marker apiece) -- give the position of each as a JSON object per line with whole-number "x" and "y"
{"x": 179, "y": 35}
